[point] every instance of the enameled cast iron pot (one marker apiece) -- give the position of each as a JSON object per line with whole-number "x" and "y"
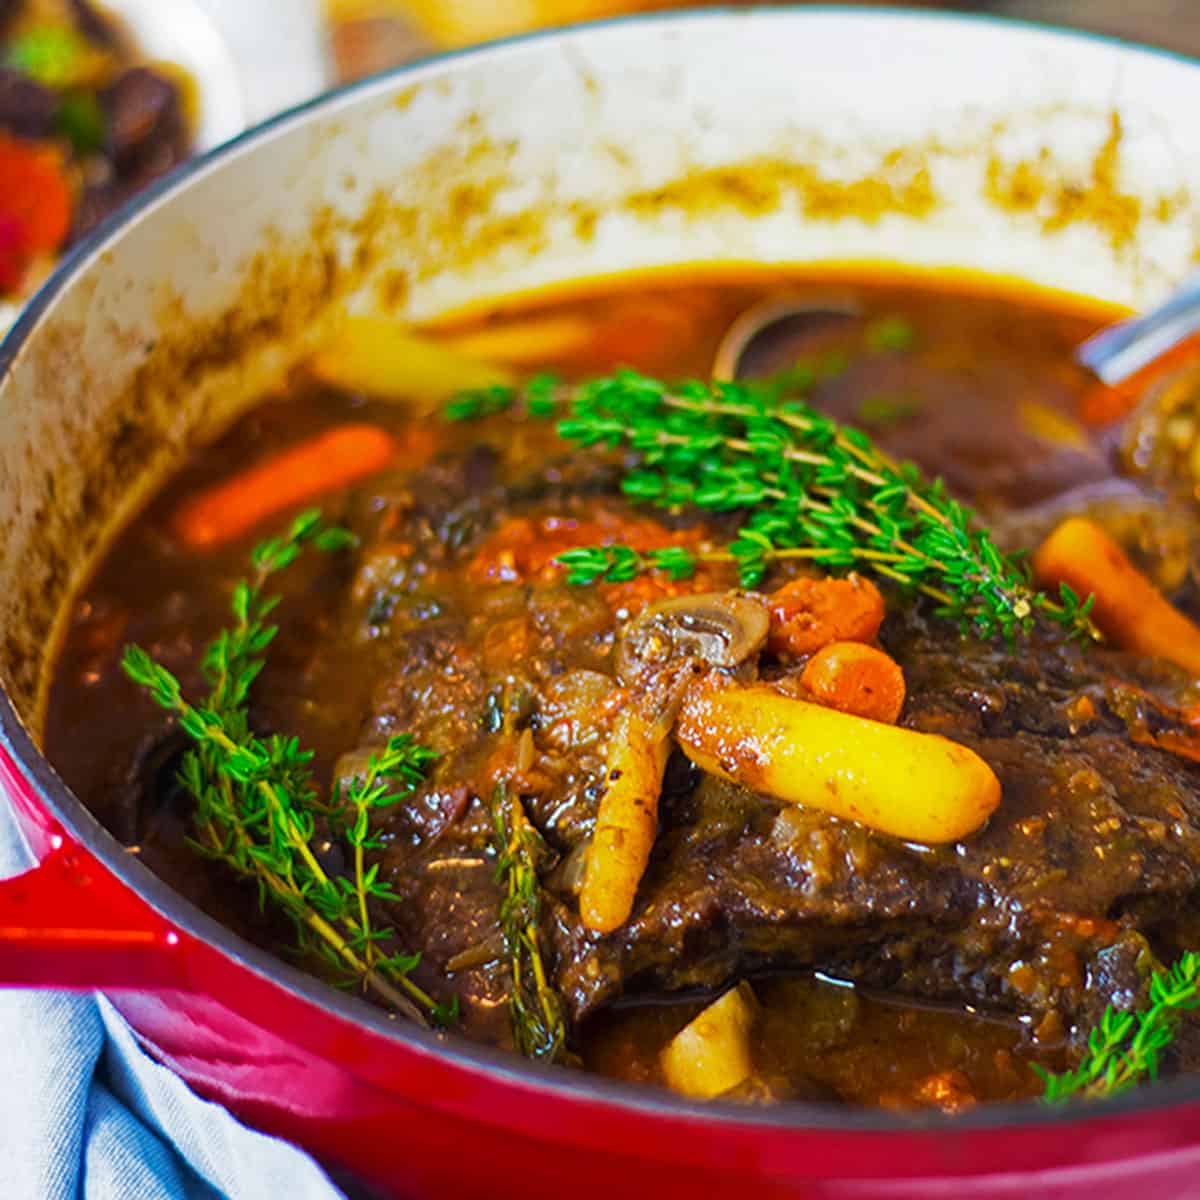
{"x": 815, "y": 136}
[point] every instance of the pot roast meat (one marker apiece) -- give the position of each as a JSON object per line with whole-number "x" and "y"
{"x": 27, "y": 109}
{"x": 1035, "y": 915}
{"x": 147, "y": 131}
{"x": 1047, "y": 912}
{"x": 448, "y": 622}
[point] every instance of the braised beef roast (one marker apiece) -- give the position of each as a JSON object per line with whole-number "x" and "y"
{"x": 451, "y": 621}
{"x": 1054, "y": 910}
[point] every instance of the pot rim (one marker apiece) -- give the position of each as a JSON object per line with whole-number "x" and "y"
{"x": 491, "y": 1063}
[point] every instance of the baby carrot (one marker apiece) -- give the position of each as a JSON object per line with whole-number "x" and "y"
{"x": 1127, "y": 608}
{"x": 328, "y": 461}
{"x": 626, "y": 823}
{"x": 856, "y": 679}
{"x": 807, "y": 614}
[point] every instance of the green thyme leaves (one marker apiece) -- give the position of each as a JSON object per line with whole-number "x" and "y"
{"x": 257, "y": 808}
{"x": 1126, "y": 1047}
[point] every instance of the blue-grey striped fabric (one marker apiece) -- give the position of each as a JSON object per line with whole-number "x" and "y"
{"x": 85, "y": 1114}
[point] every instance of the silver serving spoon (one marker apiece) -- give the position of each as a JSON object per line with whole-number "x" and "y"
{"x": 1123, "y": 349}
{"x": 771, "y": 329}
{"x": 1112, "y": 355}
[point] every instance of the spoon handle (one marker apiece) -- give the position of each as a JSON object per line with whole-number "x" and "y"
{"x": 1121, "y": 350}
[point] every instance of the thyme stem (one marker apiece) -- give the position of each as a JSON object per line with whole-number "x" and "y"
{"x": 535, "y": 1011}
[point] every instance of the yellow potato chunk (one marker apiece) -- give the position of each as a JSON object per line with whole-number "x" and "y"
{"x": 385, "y": 358}
{"x": 712, "y": 1054}
{"x": 917, "y": 786}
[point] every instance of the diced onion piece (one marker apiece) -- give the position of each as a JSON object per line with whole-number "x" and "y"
{"x": 384, "y": 358}
{"x": 712, "y": 1054}
{"x": 917, "y": 786}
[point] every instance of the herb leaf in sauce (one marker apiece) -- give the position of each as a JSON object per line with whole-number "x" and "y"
{"x": 1126, "y": 1047}
{"x": 256, "y": 800}
{"x": 889, "y": 333}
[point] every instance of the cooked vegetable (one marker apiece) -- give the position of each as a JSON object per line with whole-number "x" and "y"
{"x": 721, "y": 629}
{"x": 35, "y": 193}
{"x": 255, "y": 797}
{"x": 529, "y": 341}
{"x": 35, "y": 206}
{"x": 1150, "y": 721}
{"x": 657, "y": 648}
{"x": 91, "y": 128}
{"x": 856, "y": 679}
{"x": 455, "y": 622}
{"x": 1126, "y": 606}
{"x": 1160, "y": 439}
{"x": 328, "y": 461}
{"x": 917, "y": 786}
{"x": 711, "y": 1054}
{"x": 56, "y": 56}
{"x": 1053, "y": 427}
{"x": 810, "y": 489}
{"x": 382, "y": 358}
{"x": 1126, "y": 1047}
{"x": 626, "y": 822}
{"x": 81, "y": 121}
{"x": 807, "y": 614}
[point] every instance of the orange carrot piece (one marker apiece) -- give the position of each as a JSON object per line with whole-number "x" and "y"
{"x": 330, "y": 460}
{"x": 807, "y": 614}
{"x": 35, "y": 193}
{"x": 857, "y": 679}
{"x": 1127, "y": 608}
{"x": 1104, "y": 404}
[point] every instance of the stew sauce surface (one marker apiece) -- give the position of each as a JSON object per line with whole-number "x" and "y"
{"x": 455, "y": 634}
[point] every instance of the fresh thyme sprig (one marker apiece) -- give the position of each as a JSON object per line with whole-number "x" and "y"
{"x": 535, "y": 1010}
{"x": 390, "y": 775}
{"x": 1126, "y": 1047}
{"x": 807, "y": 487}
{"x": 256, "y": 802}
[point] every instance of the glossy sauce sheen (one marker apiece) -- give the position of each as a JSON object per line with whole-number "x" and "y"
{"x": 985, "y": 395}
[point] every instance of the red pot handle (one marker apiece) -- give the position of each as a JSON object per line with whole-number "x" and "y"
{"x": 68, "y": 922}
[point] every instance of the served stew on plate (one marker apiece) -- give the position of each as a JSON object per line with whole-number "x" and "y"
{"x": 85, "y": 123}
{"x": 517, "y": 675}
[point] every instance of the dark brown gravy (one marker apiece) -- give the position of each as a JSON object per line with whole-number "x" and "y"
{"x": 984, "y": 393}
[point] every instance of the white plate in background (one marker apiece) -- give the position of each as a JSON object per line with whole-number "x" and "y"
{"x": 250, "y": 58}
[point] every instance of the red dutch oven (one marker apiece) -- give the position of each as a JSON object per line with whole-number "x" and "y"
{"x": 815, "y": 137}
